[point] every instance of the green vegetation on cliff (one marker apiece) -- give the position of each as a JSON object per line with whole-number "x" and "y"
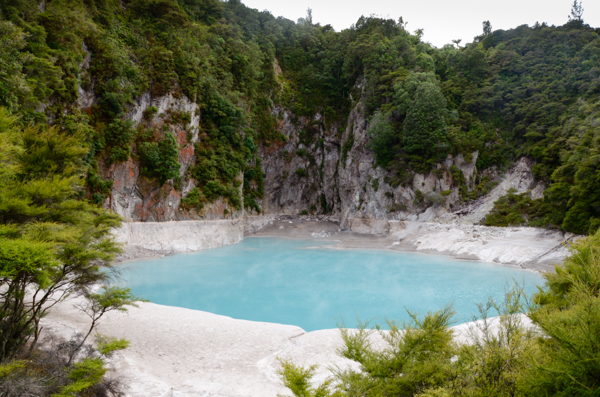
{"x": 529, "y": 91}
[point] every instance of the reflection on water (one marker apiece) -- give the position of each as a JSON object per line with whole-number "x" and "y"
{"x": 278, "y": 280}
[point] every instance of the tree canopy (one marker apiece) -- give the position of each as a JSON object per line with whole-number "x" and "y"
{"x": 526, "y": 91}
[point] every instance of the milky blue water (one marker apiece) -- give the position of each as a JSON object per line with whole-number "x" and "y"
{"x": 283, "y": 281}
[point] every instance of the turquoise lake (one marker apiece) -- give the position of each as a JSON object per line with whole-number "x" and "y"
{"x": 300, "y": 282}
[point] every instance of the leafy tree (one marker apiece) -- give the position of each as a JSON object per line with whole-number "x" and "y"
{"x": 51, "y": 244}
{"x": 13, "y": 86}
{"x": 119, "y": 135}
{"x": 425, "y": 130}
{"x": 98, "y": 304}
{"x": 487, "y": 28}
{"x": 382, "y": 138}
{"x": 160, "y": 160}
{"x": 576, "y": 11}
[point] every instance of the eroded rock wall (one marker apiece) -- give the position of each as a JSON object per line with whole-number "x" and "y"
{"x": 320, "y": 168}
{"x": 183, "y": 236}
{"x": 329, "y": 169}
{"x": 140, "y": 199}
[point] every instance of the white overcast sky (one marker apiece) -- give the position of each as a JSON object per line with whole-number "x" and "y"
{"x": 441, "y": 20}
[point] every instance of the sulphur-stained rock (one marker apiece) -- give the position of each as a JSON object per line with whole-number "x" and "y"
{"x": 146, "y": 186}
{"x": 186, "y": 157}
{"x": 125, "y": 196}
{"x": 161, "y": 204}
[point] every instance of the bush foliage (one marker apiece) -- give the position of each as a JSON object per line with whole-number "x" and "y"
{"x": 52, "y": 244}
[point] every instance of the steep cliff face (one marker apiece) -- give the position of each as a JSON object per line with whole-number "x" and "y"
{"x": 320, "y": 168}
{"x": 330, "y": 170}
{"x": 302, "y": 174}
{"x": 139, "y": 198}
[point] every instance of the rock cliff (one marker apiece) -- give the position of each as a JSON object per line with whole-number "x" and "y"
{"x": 324, "y": 169}
{"x": 141, "y": 199}
{"x": 319, "y": 168}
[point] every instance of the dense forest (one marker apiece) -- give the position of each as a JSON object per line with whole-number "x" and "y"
{"x": 529, "y": 91}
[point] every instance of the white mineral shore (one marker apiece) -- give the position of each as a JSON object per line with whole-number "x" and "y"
{"x": 182, "y": 352}
{"x": 524, "y": 247}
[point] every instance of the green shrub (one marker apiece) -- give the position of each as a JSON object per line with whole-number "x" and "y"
{"x": 382, "y": 139}
{"x": 301, "y": 172}
{"x": 483, "y": 188}
{"x": 149, "y": 113}
{"x": 419, "y": 197}
{"x": 434, "y": 198}
{"x": 119, "y": 136}
{"x": 516, "y": 210}
{"x": 375, "y": 184}
{"x": 568, "y": 313}
{"x": 195, "y": 199}
{"x": 458, "y": 178}
{"x": 346, "y": 147}
{"x": 160, "y": 160}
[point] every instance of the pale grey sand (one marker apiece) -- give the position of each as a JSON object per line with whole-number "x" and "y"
{"x": 182, "y": 352}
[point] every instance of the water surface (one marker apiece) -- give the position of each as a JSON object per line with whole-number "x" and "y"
{"x": 283, "y": 281}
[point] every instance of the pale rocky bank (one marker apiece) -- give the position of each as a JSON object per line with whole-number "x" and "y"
{"x": 190, "y": 353}
{"x": 525, "y": 247}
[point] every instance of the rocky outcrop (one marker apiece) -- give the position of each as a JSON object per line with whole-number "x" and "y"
{"x": 140, "y": 199}
{"x": 519, "y": 178}
{"x": 184, "y": 236}
{"x": 319, "y": 168}
{"x": 329, "y": 169}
